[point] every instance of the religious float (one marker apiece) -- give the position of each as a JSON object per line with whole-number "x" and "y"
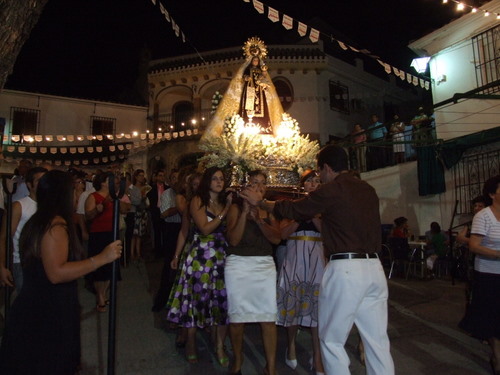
{"x": 249, "y": 129}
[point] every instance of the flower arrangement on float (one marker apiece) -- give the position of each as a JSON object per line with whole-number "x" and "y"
{"x": 216, "y": 99}
{"x": 241, "y": 148}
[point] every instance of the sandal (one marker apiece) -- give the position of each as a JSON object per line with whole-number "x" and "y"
{"x": 223, "y": 360}
{"x": 192, "y": 358}
{"x": 101, "y": 308}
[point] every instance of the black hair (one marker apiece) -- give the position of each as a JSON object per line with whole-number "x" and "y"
{"x": 435, "y": 227}
{"x": 54, "y": 198}
{"x": 30, "y": 176}
{"x": 307, "y": 175}
{"x": 490, "y": 187}
{"x": 100, "y": 178}
{"x": 204, "y": 188}
{"x": 135, "y": 174}
{"x": 334, "y": 156}
{"x": 257, "y": 172}
{"x": 400, "y": 221}
{"x": 479, "y": 199}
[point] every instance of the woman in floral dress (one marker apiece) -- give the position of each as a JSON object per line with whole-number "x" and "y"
{"x": 300, "y": 278}
{"x": 200, "y": 295}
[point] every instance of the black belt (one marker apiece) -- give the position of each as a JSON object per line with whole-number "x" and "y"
{"x": 353, "y": 256}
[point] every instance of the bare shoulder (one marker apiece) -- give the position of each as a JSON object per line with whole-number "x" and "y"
{"x": 58, "y": 225}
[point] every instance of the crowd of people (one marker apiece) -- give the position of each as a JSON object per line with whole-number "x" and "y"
{"x": 383, "y": 144}
{"x": 219, "y": 266}
{"x": 221, "y": 270}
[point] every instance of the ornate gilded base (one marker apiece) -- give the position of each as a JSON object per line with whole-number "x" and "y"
{"x": 280, "y": 177}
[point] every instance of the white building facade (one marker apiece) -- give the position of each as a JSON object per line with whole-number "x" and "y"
{"x": 66, "y": 131}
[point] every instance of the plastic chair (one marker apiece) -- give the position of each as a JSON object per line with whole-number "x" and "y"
{"x": 400, "y": 251}
{"x": 416, "y": 259}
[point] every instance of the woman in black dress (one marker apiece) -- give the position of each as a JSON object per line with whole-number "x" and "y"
{"x": 42, "y": 334}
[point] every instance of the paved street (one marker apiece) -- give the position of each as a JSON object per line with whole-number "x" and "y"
{"x": 422, "y": 328}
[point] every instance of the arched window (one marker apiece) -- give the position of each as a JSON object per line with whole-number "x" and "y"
{"x": 183, "y": 114}
{"x": 285, "y": 91}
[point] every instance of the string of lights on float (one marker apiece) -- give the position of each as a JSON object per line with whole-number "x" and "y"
{"x": 461, "y": 6}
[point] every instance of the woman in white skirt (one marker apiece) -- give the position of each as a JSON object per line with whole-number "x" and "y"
{"x": 250, "y": 275}
{"x": 300, "y": 279}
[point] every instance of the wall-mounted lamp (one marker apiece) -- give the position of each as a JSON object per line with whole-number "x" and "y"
{"x": 441, "y": 78}
{"x": 420, "y": 64}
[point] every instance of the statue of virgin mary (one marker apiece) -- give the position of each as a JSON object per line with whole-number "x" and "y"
{"x": 250, "y": 94}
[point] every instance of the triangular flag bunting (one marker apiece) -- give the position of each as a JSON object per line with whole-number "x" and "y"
{"x": 342, "y": 45}
{"x": 408, "y": 77}
{"x": 415, "y": 81}
{"x": 287, "y": 22}
{"x": 259, "y": 7}
{"x": 302, "y": 29}
{"x": 314, "y": 35}
{"x": 273, "y": 14}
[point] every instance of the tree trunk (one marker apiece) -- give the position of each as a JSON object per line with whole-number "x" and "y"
{"x": 17, "y": 19}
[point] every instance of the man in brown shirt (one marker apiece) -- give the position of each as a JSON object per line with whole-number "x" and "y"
{"x": 354, "y": 287}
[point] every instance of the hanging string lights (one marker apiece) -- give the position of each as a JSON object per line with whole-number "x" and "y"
{"x": 461, "y": 7}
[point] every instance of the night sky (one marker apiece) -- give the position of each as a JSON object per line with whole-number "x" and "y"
{"x": 92, "y": 48}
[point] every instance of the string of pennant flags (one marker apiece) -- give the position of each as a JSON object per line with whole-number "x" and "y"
{"x": 175, "y": 27}
{"x": 314, "y": 34}
{"x": 26, "y": 146}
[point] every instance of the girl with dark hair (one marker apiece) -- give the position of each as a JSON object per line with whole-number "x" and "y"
{"x": 199, "y": 298}
{"x": 42, "y": 335}
{"x": 99, "y": 211}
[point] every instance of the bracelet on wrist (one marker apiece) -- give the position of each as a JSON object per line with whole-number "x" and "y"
{"x": 220, "y": 217}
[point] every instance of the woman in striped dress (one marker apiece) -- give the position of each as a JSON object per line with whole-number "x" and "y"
{"x": 300, "y": 278}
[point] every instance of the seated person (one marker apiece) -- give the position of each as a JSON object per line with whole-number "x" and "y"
{"x": 437, "y": 244}
{"x": 398, "y": 239}
{"x": 400, "y": 229}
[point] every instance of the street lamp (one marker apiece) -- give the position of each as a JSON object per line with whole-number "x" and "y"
{"x": 420, "y": 64}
